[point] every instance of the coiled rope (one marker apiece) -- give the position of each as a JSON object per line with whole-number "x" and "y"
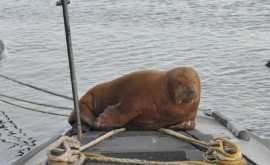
{"x": 71, "y": 152}
{"x": 37, "y": 88}
{"x": 36, "y": 103}
{"x": 218, "y": 149}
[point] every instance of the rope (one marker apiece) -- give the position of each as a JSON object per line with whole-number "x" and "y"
{"x": 133, "y": 161}
{"x": 215, "y": 155}
{"x": 31, "y": 109}
{"x": 37, "y": 88}
{"x": 69, "y": 152}
{"x": 216, "y": 149}
{"x": 36, "y": 103}
{"x": 106, "y": 136}
{"x": 101, "y": 158}
{"x": 173, "y": 133}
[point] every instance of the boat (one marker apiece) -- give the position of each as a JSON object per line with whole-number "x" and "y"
{"x": 216, "y": 139}
{"x": 157, "y": 146}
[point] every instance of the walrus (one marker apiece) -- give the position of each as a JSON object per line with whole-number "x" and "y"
{"x": 143, "y": 100}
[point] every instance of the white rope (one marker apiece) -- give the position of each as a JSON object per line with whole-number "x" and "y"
{"x": 133, "y": 161}
{"x": 107, "y": 135}
{"x": 72, "y": 154}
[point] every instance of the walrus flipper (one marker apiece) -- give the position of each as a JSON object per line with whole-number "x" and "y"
{"x": 184, "y": 125}
{"x": 114, "y": 117}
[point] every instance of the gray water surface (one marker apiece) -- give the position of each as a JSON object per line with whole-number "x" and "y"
{"x": 226, "y": 41}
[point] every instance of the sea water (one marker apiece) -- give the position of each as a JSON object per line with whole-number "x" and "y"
{"x": 225, "y": 41}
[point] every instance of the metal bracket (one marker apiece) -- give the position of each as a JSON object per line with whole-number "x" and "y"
{"x": 58, "y": 3}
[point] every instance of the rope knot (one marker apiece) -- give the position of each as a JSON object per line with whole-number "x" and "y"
{"x": 65, "y": 150}
{"x": 223, "y": 151}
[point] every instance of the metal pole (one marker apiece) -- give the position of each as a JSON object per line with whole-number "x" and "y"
{"x": 71, "y": 64}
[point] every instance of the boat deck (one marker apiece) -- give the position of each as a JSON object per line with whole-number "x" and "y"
{"x": 154, "y": 145}
{"x": 145, "y": 145}
{"x": 157, "y": 146}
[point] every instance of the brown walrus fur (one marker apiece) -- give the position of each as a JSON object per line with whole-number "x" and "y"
{"x": 143, "y": 100}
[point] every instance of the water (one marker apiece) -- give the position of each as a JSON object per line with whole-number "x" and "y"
{"x": 226, "y": 41}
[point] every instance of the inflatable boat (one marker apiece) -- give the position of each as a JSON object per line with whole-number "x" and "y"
{"x": 155, "y": 147}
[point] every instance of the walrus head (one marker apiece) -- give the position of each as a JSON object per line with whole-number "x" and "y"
{"x": 184, "y": 85}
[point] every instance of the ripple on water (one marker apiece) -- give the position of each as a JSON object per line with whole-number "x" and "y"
{"x": 225, "y": 41}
